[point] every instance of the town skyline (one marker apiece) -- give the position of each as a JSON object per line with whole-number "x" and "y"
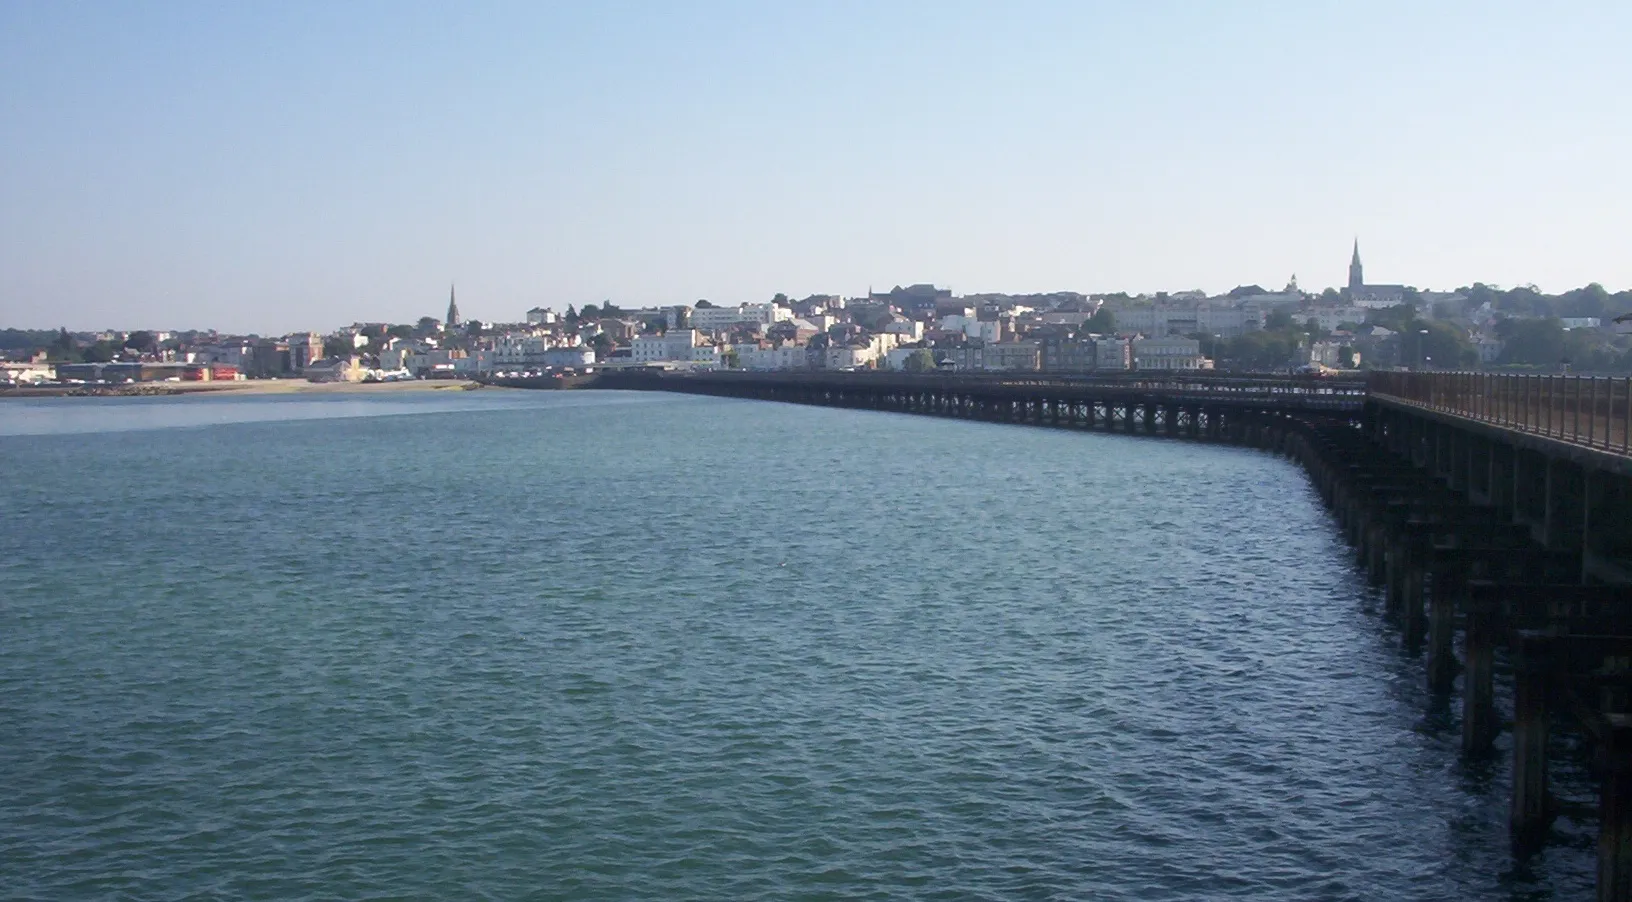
{"x": 513, "y": 310}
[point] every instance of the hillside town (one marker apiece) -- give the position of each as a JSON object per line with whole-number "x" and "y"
{"x": 919, "y": 327}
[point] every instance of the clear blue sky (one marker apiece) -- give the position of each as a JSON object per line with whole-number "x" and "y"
{"x": 273, "y": 166}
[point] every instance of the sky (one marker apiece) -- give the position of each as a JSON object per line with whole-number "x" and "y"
{"x": 273, "y": 166}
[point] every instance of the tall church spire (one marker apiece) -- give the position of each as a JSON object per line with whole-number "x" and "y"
{"x": 453, "y": 309}
{"x": 1356, "y": 274}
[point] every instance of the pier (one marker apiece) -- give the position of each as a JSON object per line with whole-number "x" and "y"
{"x": 1492, "y": 514}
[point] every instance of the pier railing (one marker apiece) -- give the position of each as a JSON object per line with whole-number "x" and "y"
{"x": 1291, "y": 392}
{"x": 1595, "y": 411}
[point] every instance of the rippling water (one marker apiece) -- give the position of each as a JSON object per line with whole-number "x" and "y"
{"x": 606, "y": 646}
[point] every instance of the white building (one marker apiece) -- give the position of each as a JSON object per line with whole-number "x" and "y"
{"x": 539, "y": 316}
{"x": 25, "y": 373}
{"x": 1330, "y": 318}
{"x": 1206, "y": 317}
{"x": 1327, "y": 353}
{"x": 706, "y": 355}
{"x": 908, "y": 329}
{"x": 972, "y": 327}
{"x": 786, "y": 357}
{"x": 515, "y": 350}
{"x": 715, "y": 319}
{"x": 573, "y": 357}
{"x": 1167, "y": 354}
{"x": 677, "y": 344}
{"x": 846, "y": 358}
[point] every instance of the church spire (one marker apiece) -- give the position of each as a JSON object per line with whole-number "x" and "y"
{"x": 453, "y": 309}
{"x": 1357, "y": 278}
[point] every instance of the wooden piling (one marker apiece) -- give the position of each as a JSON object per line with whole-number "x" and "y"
{"x": 1615, "y": 813}
{"x": 1442, "y": 592}
{"x": 1478, "y": 679}
{"x": 1530, "y": 812}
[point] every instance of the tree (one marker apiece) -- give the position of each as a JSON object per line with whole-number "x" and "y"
{"x": 1591, "y": 300}
{"x": 428, "y": 324}
{"x": 1537, "y": 342}
{"x": 1345, "y": 357}
{"x": 102, "y": 352}
{"x": 1247, "y": 291}
{"x": 1103, "y": 322}
{"x": 704, "y": 304}
{"x": 781, "y": 332}
{"x": 571, "y": 316}
{"x": 1396, "y": 319}
{"x": 657, "y": 325}
{"x": 141, "y": 341}
{"x": 401, "y": 331}
{"x": 602, "y": 343}
{"x": 919, "y": 361}
{"x": 1331, "y": 296}
{"x": 1278, "y": 321}
{"x": 1313, "y": 327}
{"x": 1445, "y": 346}
{"x": 63, "y": 349}
{"x": 781, "y": 300}
{"x": 732, "y": 360}
{"x": 590, "y": 311}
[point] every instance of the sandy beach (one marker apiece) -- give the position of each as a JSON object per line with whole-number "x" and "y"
{"x": 247, "y": 386}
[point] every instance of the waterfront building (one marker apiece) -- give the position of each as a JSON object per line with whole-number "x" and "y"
{"x": 271, "y": 359}
{"x": 676, "y": 344}
{"x": 25, "y": 373}
{"x": 569, "y": 357}
{"x": 1111, "y": 353}
{"x": 1066, "y": 352}
{"x": 765, "y": 357}
{"x": 1012, "y": 356}
{"x": 304, "y": 348}
{"x": 1167, "y": 354}
{"x": 335, "y": 369}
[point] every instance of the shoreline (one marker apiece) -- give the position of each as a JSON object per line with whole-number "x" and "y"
{"x": 245, "y": 387}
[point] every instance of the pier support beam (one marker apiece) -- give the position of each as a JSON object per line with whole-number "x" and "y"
{"x": 1530, "y": 813}
{"x": 1441, "y": 633}
{"x": 1478, "y": 677}
{"x": 1615, "y": 814}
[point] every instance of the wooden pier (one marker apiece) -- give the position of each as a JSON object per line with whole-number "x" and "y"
{"x": 1492, "y": 513}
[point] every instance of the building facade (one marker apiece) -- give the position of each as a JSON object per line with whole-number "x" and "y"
{"x": 1167, "y": 354}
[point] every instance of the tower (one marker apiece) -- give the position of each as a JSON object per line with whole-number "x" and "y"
{"x": 453, "y": 309}
{"x": 1356, "y": 278}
